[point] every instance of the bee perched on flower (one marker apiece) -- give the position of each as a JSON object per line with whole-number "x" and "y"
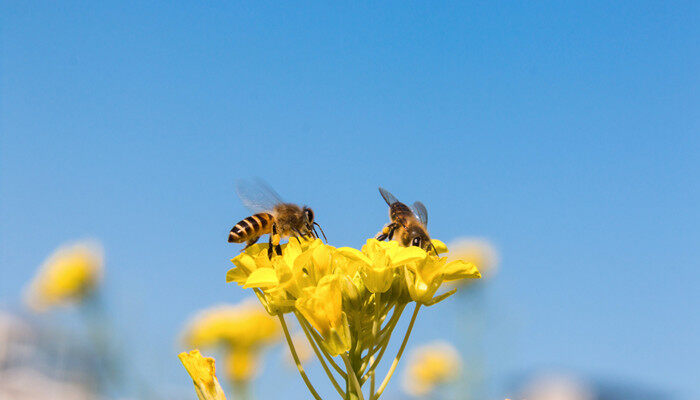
{"x": 348, "y": 301}
{"x": 429, "y": 367}
{"x": 241, "y": 331}
{"x": 68, "y": 276}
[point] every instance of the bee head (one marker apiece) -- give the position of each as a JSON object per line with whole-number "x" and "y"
{"x": 309, "y": 215}
{"x": 419, "y": 237}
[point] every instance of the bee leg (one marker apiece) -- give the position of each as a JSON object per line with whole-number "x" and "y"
{"x": 387, "y": 232}
{"x": 274, "y": 241}
{"x": 269, "y": 242}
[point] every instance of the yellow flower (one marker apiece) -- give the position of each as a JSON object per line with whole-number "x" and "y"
{"x": 424, "y": 276}
{"x": 279, "y": 279}
{"x": 241, "y": 331}
{"x": 70, "y": 274}
{"x": 348, "y": 301}
{"x": 379, "y": 261}
{"x": 430, "y": 366}
{"x": 202, "y": 370}
{"x": 240, "y": 325}
{"x": 479, "y": 252}
{"x": 321, "y": 305}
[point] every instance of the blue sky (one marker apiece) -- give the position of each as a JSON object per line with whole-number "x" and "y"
{"x": 566, "y": 133}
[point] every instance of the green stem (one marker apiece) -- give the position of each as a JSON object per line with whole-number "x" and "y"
{"x": 319, "y": 340}
{"x": 296, "y": 358}
{"x": 318, "y": 354}
{"x": 398, "y": 355}
{"x": 357, "y": 389}
{"x": 383, "y": 344}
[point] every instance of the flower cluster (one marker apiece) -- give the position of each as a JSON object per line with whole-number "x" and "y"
{"x": 242, "y": 331}
{"x": 69, "y": 275}
{"x": 347, "y": 301}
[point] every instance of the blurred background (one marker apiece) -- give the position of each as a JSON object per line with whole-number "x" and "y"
{"x": 564, "y": 135}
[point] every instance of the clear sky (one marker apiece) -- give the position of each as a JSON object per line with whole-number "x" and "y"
{"x": 565, "y": 132}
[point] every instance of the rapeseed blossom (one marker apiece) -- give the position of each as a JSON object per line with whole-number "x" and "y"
{"x": 348, "y": 301}
{"x": 69, "y": 275}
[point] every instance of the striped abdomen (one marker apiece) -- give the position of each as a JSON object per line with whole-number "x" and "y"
{"x": 251, "y": 228}
{"x": 399, "y": 212}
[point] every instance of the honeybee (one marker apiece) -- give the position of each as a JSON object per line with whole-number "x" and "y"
{"x": 272, "y": 216}
{"x": 408, "y": 225}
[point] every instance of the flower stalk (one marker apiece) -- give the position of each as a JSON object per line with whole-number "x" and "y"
{"x": 347, "y": 301}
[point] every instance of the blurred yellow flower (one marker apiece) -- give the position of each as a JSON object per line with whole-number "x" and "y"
{"x": 430, "y": 366}
{"x": 70, "y": 274}
{"x": 477, "y": 251}
{"x": 203, "y": 373}
{"x": 241, "y": 331}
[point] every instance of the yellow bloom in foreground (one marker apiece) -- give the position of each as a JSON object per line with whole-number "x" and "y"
{"x": 70, "y": 274}
{"x": 479, "y": 252}
{"x": 348, "y": 301}
{"x": 430, "y": 366}
{"x": 202, "y": 370}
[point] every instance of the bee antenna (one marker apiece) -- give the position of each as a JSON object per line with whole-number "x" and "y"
{"x": 323, "y": 233}
{"x": 434, "y": 249}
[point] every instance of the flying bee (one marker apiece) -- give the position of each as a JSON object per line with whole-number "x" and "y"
{"x": 272, "y": 216}
{"x": 408, "y": 225}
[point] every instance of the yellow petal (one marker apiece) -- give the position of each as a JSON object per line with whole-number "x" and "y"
{"x": 262, "y": 278}
{"x": 202, "y": 370}
{"x": 237, "y": 275}
{"x": 459, "y": 270}
{"x": 440, "y": 247}
{"x": 322, "y": 257}
{"x": 402, "y": 255}
{"x": 354, "y": 254}
{"x": 244, "y": 261}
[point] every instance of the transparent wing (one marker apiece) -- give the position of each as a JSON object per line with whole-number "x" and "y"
{"x": 421, "y": 212}
{"x": 257, "y": 195}
{"x": 388, "y": 197}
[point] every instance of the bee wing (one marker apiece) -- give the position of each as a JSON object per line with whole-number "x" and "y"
{"x": 388, "y": 197}
{"x": 257, "y": 195}
{"x": 421, "y": 212}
